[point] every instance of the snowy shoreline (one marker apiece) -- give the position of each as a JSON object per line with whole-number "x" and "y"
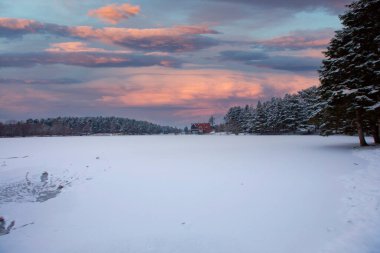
{"x": 195, "y": 194}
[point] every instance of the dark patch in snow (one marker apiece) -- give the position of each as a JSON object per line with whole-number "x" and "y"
{"x": 31, "y": 223}
{"x": 4, "y": 229}
{"x": 14, "y": 157}
{"x": 32, "y": 190}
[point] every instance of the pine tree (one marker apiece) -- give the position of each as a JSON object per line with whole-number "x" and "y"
{"x": 233, "y": 120}
{"x": 350, "y": 74}
{"x": 211, "y": 120}
{"x": 290, "y": 114}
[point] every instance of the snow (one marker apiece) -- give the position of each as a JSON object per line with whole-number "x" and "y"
{"x": 346, "y": 91}
{"x": 216, "y": 193}
{"x": 375, "y": 106}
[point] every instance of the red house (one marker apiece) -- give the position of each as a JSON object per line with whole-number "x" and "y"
{"x": 201, "y": 128}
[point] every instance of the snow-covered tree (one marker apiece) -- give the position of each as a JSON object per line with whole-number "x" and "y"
{"x": 82, "y": 126}
{"x": 211, "y": 120}
{"x": 350, "y": 75}
{"x": 234, "y": 120}
{"x": 290, "y": 114}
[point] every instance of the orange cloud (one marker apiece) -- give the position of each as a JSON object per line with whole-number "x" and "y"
{"x": 153, "y": 93}
{"x": 297, "y": 42}
{"x": 300, "y": 40}
{"x": 25, "y": 99}
{"x": 168, "y": 39}
{"x": 76, "y": 46}
{"x": 199, "y": 92}
{"x": 114, "y": 13}
{"x": 16, "y": 23}
{"x": 76, "y": 55}
{"x": 117, "y": 34}
{"x": 72, "y": 47}
{"x": 180, "y": 87}
{"x": 315, "y": 53}
{"x": 177, "y": 38}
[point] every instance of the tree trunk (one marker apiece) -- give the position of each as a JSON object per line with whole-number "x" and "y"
{"x": 359, "y": 125}
{"x": 375, "y": 133}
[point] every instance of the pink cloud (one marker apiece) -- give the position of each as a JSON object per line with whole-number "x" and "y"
{"x": 91, "y": 59}
{"x": 167, "y": 39}
{"x": 199, "y": 92}
{"x": 177, "y": 38}
{"x": 25, "y": 99}
{"x": 180, "y": 87}
{"x": 175, "y": 94}
{"x": 77, "y": 46}
{"x": 72, "y": 46}
{"x": 315, "y": 53}
{"x": 119, "y": 34}
{"x": 13, "y": 27}
{"x": 17, "y": 24}
{"x": 115, "y": 13}
{"x": 300, "y": 40}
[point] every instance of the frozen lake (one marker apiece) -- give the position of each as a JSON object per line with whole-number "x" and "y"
{"x": 187, "y": 194}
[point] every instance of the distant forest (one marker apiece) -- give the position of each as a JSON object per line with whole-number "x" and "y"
{"x": 348, "y": 99}
{"x": 305, "y": 112}
{"x": 294, "y": 113}
{"x": 82, "y": 126}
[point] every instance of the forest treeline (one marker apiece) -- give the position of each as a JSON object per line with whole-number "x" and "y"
{"x": 82, "y": 126}
{"x": 292, "y": 113}
{"x": 348, "y": 99}
{"x": 305, "y": 112}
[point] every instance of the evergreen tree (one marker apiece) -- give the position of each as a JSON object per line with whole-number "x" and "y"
{"x": 211, "y": 120}
{"x": 234, "y": 120}
{"x": 350, "y": 75}
{"x": 290, "y": 114}
{"x": 82, "y": 126}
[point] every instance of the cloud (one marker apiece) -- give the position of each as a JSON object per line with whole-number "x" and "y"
{"x": 296, "y": 5}
{"x": 86, "y": 59}
{"x": 206, "y": 91}
{"x": 38, "y": 81}
{"x": 311, "y": 39}
{"x": 77, "y": 46}
{"x": 298, "y": 51}
{"x": 262, "y": 60}
{"x": 179, "y": 88}
{"x": 245, "y": 56}
{"x": 72, "y": 46}
{"x": 15, "y": 27}
{"x": 115, "y": 13}
{"x": 154, "y": 93}
{"x": 172, "y": 39}
{"x": 314, "y": 53}
{"x": 14, "y": 101}
{"x": 169, "y": 39}
{"x": 289, "y": 63}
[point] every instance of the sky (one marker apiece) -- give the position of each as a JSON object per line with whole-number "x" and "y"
{"x": 170, "y": 62}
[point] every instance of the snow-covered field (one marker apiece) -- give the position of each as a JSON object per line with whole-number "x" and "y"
{"x": 190, "y": 194}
